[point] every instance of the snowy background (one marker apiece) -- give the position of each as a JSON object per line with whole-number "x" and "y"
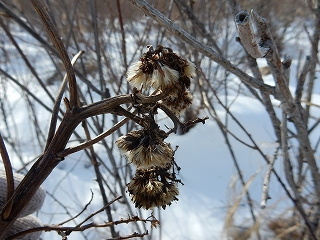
{"x": 207, "y": 171}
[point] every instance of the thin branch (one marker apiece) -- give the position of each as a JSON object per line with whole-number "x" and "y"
{"x": 224, "y": 132}
{"x": 93, "y": 214}
{"x": 92, "y": 141}
{"x": 56, "y": 107}
{"x": 25, "y": 89}
{"x": 199, "y": 26}
{"x": 289, "y": 174}
{"x": 45, "y": 43}
{"x": 265, "y": 189}
{"x": 25, "y": 59}
{"x": 74, "y": 217}
{"x": 92, "y": 5}
{"x": 82, "y": 228}
{"x": 302, "y": 79}
{"x": 96, "y": 164}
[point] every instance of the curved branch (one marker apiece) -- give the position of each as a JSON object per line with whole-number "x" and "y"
{"x": 61, "y": 49}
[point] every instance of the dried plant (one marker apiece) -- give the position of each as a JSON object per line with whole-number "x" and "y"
{"x": 225, "y": 56}
{"x": 155, "y": 183}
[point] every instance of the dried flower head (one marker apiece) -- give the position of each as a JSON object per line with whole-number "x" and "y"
{"x": 160, "y": 68}
{"x": 164, "y": 70}
{"x": 154, "y": 187}
{"x": 146, "y": 148}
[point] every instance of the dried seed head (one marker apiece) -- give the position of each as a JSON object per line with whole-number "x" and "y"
{"x": 150, "y": 188}
{"x": 160, "y": 155}
{"x": 146, "y": 148}
{"x": 161, "y": 69}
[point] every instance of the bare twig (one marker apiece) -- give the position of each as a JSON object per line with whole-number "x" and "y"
{"x": 24, "y": 88}
{"x": 56, "y": 107}
{"x": 82, "y": 228}
{"x": 96, "y": 164}
{"x": 92, "y": 141}
{"x": 198, "y": 25}
{"x": 49, "y": 160}
{"x": 93, "y": 214}
{"x": 265, "y": 189}
{"x": 302, "y": 79}
{"x": 74, "y": 217}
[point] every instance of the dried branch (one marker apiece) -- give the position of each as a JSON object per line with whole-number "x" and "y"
{"x": 63, "y": 230}
{"x": 290, "y": 177}
{"x": 25, "y": 89}
{"x": 302, "y": 79}
{"x": 56, "y": 107}
{"x": 92, "y": 141}
{"x": 61, "y": 49}
{"x": 249, "y": 38}
{"x": 49, "y": 160}
{"x": 265, "y": 189}
{"x": 84, "y": 208}
{"x": 290, "y": 107}
{"x": 92, "y": 5}
{"x": 9, "y": 174}
{"x": 199, "y": 26}
{"x": 100, "y": 183}
{"x": 224, "y": 131}
{"x": 92, "y": 215}
{"x": 25, "y": 59}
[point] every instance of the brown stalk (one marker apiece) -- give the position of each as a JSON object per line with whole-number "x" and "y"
{"x": 61, "y": 49}
{"x": 9, "y": 175}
